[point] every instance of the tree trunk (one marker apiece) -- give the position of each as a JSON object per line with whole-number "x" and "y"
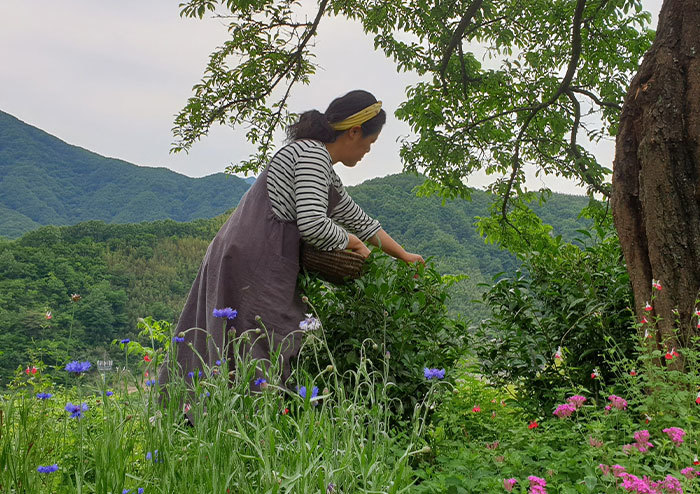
{"x": 656, "y": 175}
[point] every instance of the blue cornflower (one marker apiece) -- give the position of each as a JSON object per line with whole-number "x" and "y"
{"x": 178, "y": 339}
{"x": 227, "y": 312}
{"x": 218, "y": 362}
{"x": 434, "y": 373}
{"x": 47, "y": 469}
{"x": 153, "y": 457}
{"x": 302, "y": 391}
{"x": 150, "y": 382}
{"x": 191, "y": 374}
{"x": 78, "y": 367}
{"x": 43, "y": 396}
{"x": 260, "y": 381}
{"x": 76, "y": 411}
{"x": 109, "y": 393}
{"x": 125, "y": 341}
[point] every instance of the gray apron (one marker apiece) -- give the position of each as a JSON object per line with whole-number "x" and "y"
{"x": 251, "y": 266}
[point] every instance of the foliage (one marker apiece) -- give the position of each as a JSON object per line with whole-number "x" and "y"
{"x": 395, "y": 312}
{"x": 475, "y": 450}
{"x": 78, "y": 185}
{"x": 550, "y": 65}
{"x": 564, "y": 302}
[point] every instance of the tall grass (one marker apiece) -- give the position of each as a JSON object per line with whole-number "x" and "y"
{"x": 246, "y": 437}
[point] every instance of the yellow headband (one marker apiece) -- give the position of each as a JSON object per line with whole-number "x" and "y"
{"x": 358, "y": 118}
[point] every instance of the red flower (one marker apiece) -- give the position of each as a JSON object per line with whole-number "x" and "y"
{"x": 533, "y": 425}
{"x": 48, "y": 314}
{"x": 648, "y": 307}
{"x": 476, "y": 409}
{"x": 30, "y": 370}
{"x": 695, "y": 460}
{"x": 644, "y": 320}
{"x": 633, "y": 372}
{"x": 656, "y": 284}
{"x": 697, "y": 400}
{"x": 147, "y": 358}
{"x": 285, "y": 411}
{"x": 671, "y": 354}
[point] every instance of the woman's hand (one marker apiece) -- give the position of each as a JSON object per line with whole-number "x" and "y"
{"x": 357, "y": 245}
{"x": 411, "y": 258}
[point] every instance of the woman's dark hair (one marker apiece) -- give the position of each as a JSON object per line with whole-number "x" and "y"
{"x": 316, "y": 125}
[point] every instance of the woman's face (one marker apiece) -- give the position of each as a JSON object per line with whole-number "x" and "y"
{"x": 358, "y": 146}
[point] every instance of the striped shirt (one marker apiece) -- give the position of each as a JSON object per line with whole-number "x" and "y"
{"x": 298, "y": 180}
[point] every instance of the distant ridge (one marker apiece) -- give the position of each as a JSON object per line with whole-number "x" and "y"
{"x": 46, "y": 181}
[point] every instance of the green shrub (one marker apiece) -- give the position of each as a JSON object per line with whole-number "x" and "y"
{"x": 565, "y": 300}
{"x": 395, "y": 313}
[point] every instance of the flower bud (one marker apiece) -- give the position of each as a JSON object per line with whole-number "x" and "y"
{"x": 305, "y": 299}
{"x": 329, "y": 368}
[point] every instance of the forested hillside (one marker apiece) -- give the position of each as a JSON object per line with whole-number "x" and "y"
{"x": 123, "y": 272}
{"x": 45, "y": 181}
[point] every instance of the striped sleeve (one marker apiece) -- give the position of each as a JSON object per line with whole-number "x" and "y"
{"x": 312, "y": 177}
{"x": 351, "y": 216}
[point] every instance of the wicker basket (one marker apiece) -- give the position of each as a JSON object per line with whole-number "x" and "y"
{"x": 335, "y": 266}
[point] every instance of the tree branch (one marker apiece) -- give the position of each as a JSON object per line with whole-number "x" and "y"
{"x": 457, "y": 35}
{"x": 294, "y": 59}
{"x": 563, "y": 87}
{"x": 595, "y": 98}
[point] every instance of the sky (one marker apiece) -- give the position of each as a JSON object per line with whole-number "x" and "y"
{"x": 110, "y": 76}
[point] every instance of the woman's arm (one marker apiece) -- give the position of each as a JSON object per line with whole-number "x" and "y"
{"x": 383, "y": 240}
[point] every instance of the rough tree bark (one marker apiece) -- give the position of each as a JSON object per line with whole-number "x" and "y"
{"x": 656, "y": 174}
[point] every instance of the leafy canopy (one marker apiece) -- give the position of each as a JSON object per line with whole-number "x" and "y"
{"x": 552, "y": 72}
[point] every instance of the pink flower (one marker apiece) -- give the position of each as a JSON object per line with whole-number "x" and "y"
{"x": 492, "y": 445}
{"x": 642, "y": 438}
{"x": 537, "y": 485}
{"x": 557, "y": 355}
{"x": 509, "y": 483}
{"x": 617, "y": 402}
{"x": 675, "y": 434}
{"x": 689, "y": 473}
{"x": 564, "y": 410}
{"x": 697, "y": 400}
{"x": 605, "y": 469}
{"x": 48, "y": 314}
{"x": 594, "y": 443}
{"x": 577, "y": 401}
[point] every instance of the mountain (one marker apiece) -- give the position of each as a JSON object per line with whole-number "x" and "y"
{"x": 45, "y": 181}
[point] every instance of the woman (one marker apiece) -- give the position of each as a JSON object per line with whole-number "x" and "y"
{"x": 253, "y": 262}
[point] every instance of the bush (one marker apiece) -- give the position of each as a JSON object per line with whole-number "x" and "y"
{"x": 564, "y": 302}
{"x": 395, "y": 312}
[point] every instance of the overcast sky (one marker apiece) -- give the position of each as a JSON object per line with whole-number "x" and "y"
{"x": 109, "y": 76}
